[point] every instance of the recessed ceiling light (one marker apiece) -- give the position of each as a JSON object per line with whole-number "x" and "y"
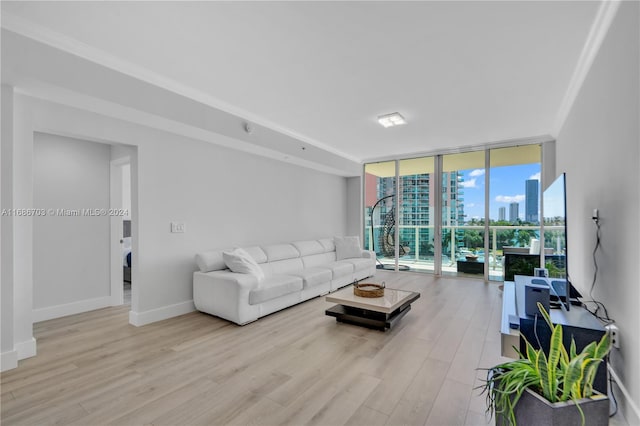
{"x": 390, "y": 120}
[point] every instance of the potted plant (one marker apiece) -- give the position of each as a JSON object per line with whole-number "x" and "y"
{"x": 553, "y": 389}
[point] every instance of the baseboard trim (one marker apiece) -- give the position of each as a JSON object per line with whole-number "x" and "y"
{"x": 154, "y": 315}
{"x": 629, "y": 402}
{"x": 8, "y": 360}
{"x": 51, "y": 312}
{"x": 26, "y": 349}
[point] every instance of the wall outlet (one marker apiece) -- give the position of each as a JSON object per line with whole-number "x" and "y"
{"x": 614, "y": 335}
{"x": 177, "y": 227}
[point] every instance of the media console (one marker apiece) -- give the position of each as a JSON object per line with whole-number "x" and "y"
{"x": 577, "y": 323}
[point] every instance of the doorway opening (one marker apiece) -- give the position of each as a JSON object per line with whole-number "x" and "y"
{"x": 122, "y": 256}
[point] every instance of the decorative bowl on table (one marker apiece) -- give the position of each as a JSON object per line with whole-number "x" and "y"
{"x": 368, "y": 289}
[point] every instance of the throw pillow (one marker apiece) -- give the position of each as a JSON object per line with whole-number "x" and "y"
{"x": 238, "y": 260}
{"x": 347, "y": 247}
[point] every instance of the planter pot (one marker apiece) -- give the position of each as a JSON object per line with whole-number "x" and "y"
{"x": 533, "y": 409}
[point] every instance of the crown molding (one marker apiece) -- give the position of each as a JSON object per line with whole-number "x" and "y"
{"x": 601, "y": 24}
{"x": 26, "y": 28}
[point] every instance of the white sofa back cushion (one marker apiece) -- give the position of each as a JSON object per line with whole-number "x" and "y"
{"x": 328, "y": 244}
{"x": 307, "y": 248}
{"x": 211, "y": 261}
{"x": 347, "y": 247}
{"x": 280, "y": 252}
{"x": 256, "y": 253}
{"x": 238, "y": 260}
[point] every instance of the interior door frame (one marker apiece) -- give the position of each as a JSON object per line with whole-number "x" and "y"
{"x": 116, "y": 234}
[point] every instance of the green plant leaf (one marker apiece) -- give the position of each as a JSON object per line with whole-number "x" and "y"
{"x": 545, "y": 314}
{"x": 554, "y": 358}
{"x": 571, "y": 376}
{"x": 572, "y": 349}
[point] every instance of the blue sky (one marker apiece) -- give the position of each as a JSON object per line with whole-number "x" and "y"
{"x": 507, "y": 186}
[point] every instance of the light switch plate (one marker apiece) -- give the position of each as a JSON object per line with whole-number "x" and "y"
{"x": 177, "y": 227}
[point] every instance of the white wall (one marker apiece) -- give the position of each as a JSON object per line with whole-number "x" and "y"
{"x": 70, "y": 253}
{"x": 126, "y": 190}
{"x": 225, "y": 197}
{"x": 22, "y": 187}
{"x": 355, "y": 209}
{"x": 598, "y": 147}
{"x": 8, "y": 354}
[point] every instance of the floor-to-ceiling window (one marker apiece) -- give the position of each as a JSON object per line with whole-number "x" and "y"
{"x": 454, "y": 214}
{"x": 416, "y": 219}
{"x": 380, "y": 211}
{"x": 514, "y": 206}
{"x": 463, "y": 201}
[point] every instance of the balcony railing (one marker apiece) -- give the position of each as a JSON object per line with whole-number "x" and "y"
{"x": 415, "y": 236}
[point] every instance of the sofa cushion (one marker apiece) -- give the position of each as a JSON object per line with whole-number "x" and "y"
{"x": 347, "y": 247}
{"x": 240, "y": 261}
{"x": 210, "y": 261}
{"x": 328, "y": 244}
{"x": 318, "y": 260}
{"x": 285, "y": 267}
{"x": 280, "y": 252}
{"x": 340, "y": 269}
{"x": 359, "y": 264}
{"x": 273, "y": 287}
{"x": 256, "y": 253}
{"x": 307, "y": 248}
{"x": 314, "y": 276}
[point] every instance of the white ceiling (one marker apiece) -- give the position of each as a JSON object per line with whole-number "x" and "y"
{"x": 462, "y": 73}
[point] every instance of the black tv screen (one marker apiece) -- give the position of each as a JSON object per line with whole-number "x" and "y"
{"x": 554, "y": 202}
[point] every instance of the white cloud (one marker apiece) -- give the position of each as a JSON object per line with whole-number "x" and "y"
{"x": 471, "y": 183}
{"x": 536, "y": 176}
{"x": 476, "y": 172}
{"x": 510, "y": 198}
{"x": 470, "y": 205}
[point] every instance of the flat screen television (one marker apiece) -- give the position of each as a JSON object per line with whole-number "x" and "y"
{"x": 554, "y": 202}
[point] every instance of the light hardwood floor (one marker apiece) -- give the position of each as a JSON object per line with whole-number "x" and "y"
{"x": 294, "y": 367}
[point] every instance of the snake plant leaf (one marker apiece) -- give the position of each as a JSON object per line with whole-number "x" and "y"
{"x": 572, "y": 349}
{"x": 589, "y": 350}
{"x": 572, "y": 375}
{"x": 590, "y": 367}
{"x": 545, "y": 314}
{"x": 603, "y": 347}
{"x": 554, "y": 358}
{"x": 543, "y": 371}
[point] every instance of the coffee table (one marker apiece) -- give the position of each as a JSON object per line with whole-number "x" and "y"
{"x": 380, "y": 313}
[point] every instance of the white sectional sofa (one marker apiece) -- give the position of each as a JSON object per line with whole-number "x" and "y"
{"x": 286, "y": 274}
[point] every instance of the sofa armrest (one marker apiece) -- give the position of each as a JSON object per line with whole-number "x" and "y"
{"x": 368, "y": 254}
{"x": 225, "y": 294}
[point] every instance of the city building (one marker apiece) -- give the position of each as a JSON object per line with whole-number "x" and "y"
{"x": 416, "y": 206}
{"x": 513, "y": 212}
{"x": 502, "y": 213}
{"x": 531, "y": 201}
